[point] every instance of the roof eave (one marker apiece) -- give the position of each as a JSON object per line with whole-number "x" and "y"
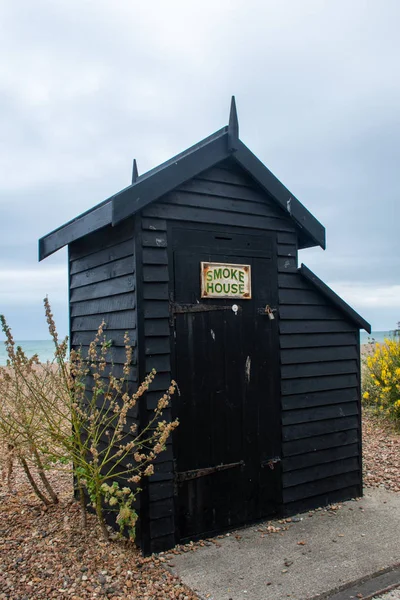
{"x": 310, "y": 226}
{"x": 334, "y": 298}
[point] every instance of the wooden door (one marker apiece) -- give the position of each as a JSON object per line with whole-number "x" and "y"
{"x": 227, "y": 369}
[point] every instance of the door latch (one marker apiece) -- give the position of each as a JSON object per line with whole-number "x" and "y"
{"x": 268, "y": 311}
{"x": 271, "y": 462}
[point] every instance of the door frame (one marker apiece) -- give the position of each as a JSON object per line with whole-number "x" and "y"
{"x": 270, "y": 252}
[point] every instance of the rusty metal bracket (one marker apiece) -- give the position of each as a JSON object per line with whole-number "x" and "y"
{"x": 176, "y": 308}
{"x": 271, "y": 462}
{"x": 196, "y": 473}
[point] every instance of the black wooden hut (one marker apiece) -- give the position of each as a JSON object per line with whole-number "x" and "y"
{"x": 197, "y": 259}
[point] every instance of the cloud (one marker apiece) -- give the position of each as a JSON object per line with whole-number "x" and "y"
{"x": 86, "y": 86}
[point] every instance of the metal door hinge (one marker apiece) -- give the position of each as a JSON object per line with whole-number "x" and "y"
{"x": 196, "y": 473}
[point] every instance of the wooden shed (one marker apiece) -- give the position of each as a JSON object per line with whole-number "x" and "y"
{"x": 198, "y": 260}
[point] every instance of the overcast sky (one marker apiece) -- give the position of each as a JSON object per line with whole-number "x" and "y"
{"x": 85, "y": 86}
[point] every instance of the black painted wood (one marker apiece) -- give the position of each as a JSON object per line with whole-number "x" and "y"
{"x": 104, "y": 289}
{"x": 301, "y": 461}
{"x": 319, "y": 354}
{"x": 314, "y": 473}
{"x": 341, "y": 494}
{"x": 321, "y": 442}
{"x": 321, "y": 486}
{"x": 103, "y": 305}
{"x": 319, "y": 369}
{"x": 304, "y": 415}
{"x": 318, "y": 340}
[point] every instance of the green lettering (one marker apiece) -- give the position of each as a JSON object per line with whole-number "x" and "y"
{"x": 241, "y": 276}
{"x": 233, "y": 274}
{"x": 217, "y": 273}
{"x": 218, "y": 288}
{"x": 227, "y": 287}
{"x": 234, "y": 288}
{"x": 241, "y": 288}
{"x": 210, "y": 288}
{"x": 226, "y": 273}
{"x": 209, "y": 276}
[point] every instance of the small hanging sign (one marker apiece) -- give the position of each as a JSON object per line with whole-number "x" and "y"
{"x": 221, "y": 280}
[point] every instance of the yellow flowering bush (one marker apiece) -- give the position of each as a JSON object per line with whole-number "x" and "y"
{"x": 381, "y": 380}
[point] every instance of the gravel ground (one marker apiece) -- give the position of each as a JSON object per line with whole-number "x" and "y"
{"x": 381, "y": 454}
{"x": 46, "y": 554}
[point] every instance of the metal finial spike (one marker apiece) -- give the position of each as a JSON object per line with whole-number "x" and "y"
{"x": 233, "y": 126}
{"x": 135, "y": 172}
{"x": 233, "y": 118}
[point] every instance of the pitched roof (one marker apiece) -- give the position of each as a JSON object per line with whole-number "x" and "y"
{"x": 334, "y": 298}
{"x": 155, "y": 183}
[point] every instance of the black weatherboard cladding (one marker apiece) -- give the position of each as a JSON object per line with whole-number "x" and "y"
{"x": 320, "y": 370}
{"x": 121, "y": 270}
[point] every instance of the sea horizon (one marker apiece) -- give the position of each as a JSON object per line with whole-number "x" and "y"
{"x": 44, "y": 348}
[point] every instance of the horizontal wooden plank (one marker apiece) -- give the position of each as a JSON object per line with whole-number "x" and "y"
{"x": 84, "y": 338}
{"x": 161, "y": 527}
{"x": 301, "y": 461}
{"x": 318, "y": 369}
{"x": 287, "y": 238}
{"x": 317, "y": 340}
{"x": 299, "y": 296}
{"x": 155, "y": 256}
{"x": 203, "y": 215}
{"x": 237, "y": 204}
{"x": 117, "y": 371}
{"x": 330, "y": 497}
{"x": 161, "y": 508}
{"x": 160, "y": 491}
{"x": 232, "y": 177}
{"x": 123, "y": 266}
{"x": 104, "y": 289}
{"x": 156, "y": 309}
{"x": 161, "y": 382}
{"x": 156, "y": 291}
{"x": 321, "y": 486}
{"x": 121, "y": 320}
{"x": 219, "y": 191}
{"x": 293, "y": 281}
{"x": 103, "y": 256}
{"x": 164, "y": 542}
{"x": 318, "y": 398}
{"x": 319, "y": 413}
{"x": 115, "y": 354}
{"x": 313, "y": 313}
{"x": 287, "y": 264}
{"x": 331, "y": 382}
{"x": 154, "y": 239}
{"x": 316, "y": 472}
{"x": 156, "y": 327}
{"x": 287, "y": 250}
{"x": 103, "y": 305}
{"x": 101, "y": 239}
{"x": 308, "y": 355}
{"x": 160, "y": 362}
{"x": 154, "y": 224}
{"x": 157, "y": 345}
{"x": 153, "y": 273}
{"x": 291, "y": 327}
{"x": 307, "y": 430}
{"x": 320, "y": 442}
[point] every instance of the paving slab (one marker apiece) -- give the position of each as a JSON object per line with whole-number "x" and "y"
{"x": 321, "y": 552}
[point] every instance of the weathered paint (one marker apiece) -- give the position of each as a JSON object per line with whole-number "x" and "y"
{"x": 222, "y": 280}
